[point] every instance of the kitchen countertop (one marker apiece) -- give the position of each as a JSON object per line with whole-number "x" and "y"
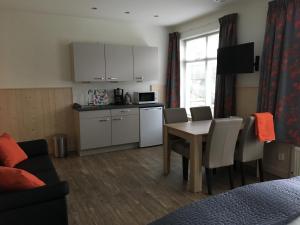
{"x": 112, "y": 106}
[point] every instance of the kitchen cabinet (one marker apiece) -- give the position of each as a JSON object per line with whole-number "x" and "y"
{"x": 95, "y": 129}
{"x": 119, "y": 63}
{"x": 125, "y": 126}
{"x": 89, "y": 62}
{"x": 107, "y": 128}
{"x": 145, "y": 63}
{"x": 94, "y": 62}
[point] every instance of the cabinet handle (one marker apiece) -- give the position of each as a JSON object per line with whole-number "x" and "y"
{"x": 112, "y": 78}
{"x": 99, "y": 78}
{"x": 139, "y": 79}
{"x": 118, "y": 119}
{"x": 104, "y": 120}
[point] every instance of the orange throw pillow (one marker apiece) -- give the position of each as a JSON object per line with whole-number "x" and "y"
{"x": 10, "y": 152}
{"x": 13, "y": 179}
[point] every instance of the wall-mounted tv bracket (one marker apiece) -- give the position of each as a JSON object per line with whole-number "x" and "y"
{"x": 256, "y": 64}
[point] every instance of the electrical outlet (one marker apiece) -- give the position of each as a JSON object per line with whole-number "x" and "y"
{"x": 281, "y": 156}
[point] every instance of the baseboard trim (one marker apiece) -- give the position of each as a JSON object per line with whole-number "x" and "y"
{"x": 275, "y": 171}
{"x": 108, "y": 149}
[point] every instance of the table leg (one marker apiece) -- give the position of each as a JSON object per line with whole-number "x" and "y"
{"x": 167, "y": 152}
{"x": 195, "y": 181}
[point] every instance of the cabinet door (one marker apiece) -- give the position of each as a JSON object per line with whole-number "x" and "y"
{"x": 125, "y": 129}
{"x": 151, "y": 126}
{"x": 95, "y": 132}
{"x": 89, "y": 62}
{"x": 145, "y": 63}
{"x": 119, "y": 63}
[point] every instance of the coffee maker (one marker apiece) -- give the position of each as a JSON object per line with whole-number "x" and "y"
{"x": 118, "y": 96}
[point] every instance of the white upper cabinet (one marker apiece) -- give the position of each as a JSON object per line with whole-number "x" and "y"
{"x": 145, "y": 63}
{"x": 119, "y": 63}
{"x": 94, "y": 62}
{"x": 89, "y": 62}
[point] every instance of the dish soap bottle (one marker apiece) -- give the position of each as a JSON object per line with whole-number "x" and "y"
{"x": 127, "y": 99}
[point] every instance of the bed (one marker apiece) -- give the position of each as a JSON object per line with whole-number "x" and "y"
{"x": 274, "y": 202}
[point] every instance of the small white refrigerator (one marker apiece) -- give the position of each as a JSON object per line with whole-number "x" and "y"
{"x": 151, "y": 126}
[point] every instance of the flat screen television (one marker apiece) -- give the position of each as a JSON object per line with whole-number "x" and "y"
{"x": 236, "y": 59}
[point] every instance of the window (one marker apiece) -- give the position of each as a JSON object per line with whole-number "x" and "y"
{"x": 199, "y": 71}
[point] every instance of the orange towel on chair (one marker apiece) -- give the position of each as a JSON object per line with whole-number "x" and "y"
{"x": 264, "y": 126}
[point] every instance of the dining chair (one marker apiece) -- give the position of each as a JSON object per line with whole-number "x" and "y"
{"x": 220, "y": 147}
{"x": 178, "y": 145}
{"x": 249, "y": 148}
{"x": 201, "y": 113}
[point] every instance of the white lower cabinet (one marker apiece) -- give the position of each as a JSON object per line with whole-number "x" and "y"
{"x": 106, "y": 128}
{"x": 95, "y": 132}
{"x": 94, "y": 129}
{"x": 125, "y": 129}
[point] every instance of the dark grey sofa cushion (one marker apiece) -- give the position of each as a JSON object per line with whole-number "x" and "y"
{"x": 36, "y": 164}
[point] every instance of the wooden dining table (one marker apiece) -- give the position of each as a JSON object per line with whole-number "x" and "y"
{"x": 193, "y": 132}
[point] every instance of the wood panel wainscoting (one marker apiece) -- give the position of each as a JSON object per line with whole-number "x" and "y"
{"x": 246, "y": 100}
{"x": 35, "y": 113}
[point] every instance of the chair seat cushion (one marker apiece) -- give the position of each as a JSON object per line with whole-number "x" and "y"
{"x": 181, "y": 147}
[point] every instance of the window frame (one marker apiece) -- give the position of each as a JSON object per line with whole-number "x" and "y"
{"x": 184, "y": 62}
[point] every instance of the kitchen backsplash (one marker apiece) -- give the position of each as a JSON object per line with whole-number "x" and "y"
{"x": 81, "y": 90}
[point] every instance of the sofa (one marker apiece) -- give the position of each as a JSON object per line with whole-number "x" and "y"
{"x": 45, "y": 205}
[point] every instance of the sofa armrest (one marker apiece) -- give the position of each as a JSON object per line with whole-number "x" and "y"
{"x": 34, "y": 148}
{"x": 13, "y": 200}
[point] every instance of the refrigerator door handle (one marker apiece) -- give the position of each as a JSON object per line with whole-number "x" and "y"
{"x": 151, "y": 108}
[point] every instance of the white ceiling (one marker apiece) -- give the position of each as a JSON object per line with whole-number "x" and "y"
{"x": 170, "y": 12}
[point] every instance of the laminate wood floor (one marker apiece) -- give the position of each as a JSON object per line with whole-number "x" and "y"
{"x": 128, "y": 187}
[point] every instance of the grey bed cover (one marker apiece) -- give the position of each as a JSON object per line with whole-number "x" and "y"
{"x": 274, "y": 202}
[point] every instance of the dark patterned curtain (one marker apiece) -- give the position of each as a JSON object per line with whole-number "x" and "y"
{"x": 225, "y": 84}
{"x": 279, "y": 90}
{"x": 173, "y": 72}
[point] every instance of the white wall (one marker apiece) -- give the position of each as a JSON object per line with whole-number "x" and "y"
{"x": 35, "y": 48}
{"x": 251, "y": 28}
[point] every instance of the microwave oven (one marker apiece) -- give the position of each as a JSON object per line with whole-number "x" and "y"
{"x": 144, "y": 97}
